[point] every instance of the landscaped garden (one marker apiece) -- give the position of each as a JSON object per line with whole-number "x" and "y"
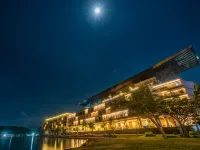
{"x": 132, "y": 142}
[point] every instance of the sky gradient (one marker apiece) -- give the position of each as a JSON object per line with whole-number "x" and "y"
{"x": 54, "y": 54}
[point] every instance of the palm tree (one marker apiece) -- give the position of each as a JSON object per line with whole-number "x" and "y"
{"x": 84, "y": 125}
{"x": 196, "y": 100}
{"x": 77, "y": 129}
{"x": 103, "y": 125}
{"x": 91, "y": 126}
{"x": 112, "y": 125}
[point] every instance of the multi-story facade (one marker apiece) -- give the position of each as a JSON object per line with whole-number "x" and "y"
{"x": 103, "y": 111}
{"x": 56, "y": 122}
{"x": 161, "y": 80}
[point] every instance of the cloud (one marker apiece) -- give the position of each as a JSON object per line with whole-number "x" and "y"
{"x": 23, "y": 114}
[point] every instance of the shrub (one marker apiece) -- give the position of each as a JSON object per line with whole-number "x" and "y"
{"x": 149, "y": 134}
{"x": 192, "y": 134}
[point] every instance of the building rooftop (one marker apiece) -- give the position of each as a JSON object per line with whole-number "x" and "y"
{"x": 169, "y": 67}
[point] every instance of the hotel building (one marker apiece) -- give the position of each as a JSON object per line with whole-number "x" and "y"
{"x": 161, "y": 78}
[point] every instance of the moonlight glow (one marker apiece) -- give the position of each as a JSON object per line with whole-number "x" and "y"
{"x": 97, "y": 10}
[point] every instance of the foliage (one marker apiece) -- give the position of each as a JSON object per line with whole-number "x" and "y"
{"x": 77, "y": 129}
{"x": 112, "y": 125}
{"x": 84, "y": 125}
{"x": 14, "y": 130}
{"x": 143, "y": 104}
{"x": 147, "y": 134}
{"x": 59, "y": 130}
{"x": 91, "y": 125}
{"x": 192, "y": 134}
{"x": 196, "y": 100}
{"x": 180, "y": 110}
{"x": 103, "y": 125}
{"x": 198, "y": 122}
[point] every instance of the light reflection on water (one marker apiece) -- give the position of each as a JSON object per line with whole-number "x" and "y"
{"x": 60, "y": 144}
{"x": 39, "y": 143}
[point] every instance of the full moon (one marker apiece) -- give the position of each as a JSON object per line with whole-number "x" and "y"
{"x": 97, "y": 10}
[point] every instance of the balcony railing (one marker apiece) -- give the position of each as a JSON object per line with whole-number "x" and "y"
{"x": 99, "y": 107}
{"x": 116, "y": 115}
{"x": 90, "y": 119}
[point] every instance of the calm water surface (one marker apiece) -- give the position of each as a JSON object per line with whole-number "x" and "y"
{"x": 38, "y": 143}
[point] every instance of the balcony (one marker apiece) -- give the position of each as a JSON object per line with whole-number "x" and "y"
{"x": 168, "y": 85}
{"x": 108, "y": 110}
{"x": 99, "y": 107}
{"x": 75, "y": 123}
{"x": 94, "y": 114}
{"x": 116, "y": 115}
{"x": 90, "y": 119}
{"x": 173, "y": 92}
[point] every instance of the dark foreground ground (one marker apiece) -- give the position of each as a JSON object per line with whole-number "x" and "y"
{"x": 128, "y": 142}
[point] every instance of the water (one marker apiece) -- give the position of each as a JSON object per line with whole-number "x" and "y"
{"x": 38, "y": 143}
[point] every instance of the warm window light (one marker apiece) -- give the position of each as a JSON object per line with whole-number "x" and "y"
{"x": 115, "y": 114}
{"x": 185, "y": 95}
{"x": 98, "y": 107}
{"x": 86, "y": 111}
{"x": 133, "y": 89}
{"x": 90, "y": 119}
{"x": 128, "y": 94}
{"x": 121, "y": 94}
{"x": 173, "y": 90}
{"x": 75, "y": 122}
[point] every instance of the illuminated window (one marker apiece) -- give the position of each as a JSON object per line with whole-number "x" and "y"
{"x": 86, "y": 111}
{"x": 99, "y": 107}
{"x": 94, "y": 114}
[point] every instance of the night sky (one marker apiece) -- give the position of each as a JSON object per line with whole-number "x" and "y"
{"x": 55, "y": 53}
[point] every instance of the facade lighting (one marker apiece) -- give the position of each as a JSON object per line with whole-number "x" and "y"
{"x": 159, "y": 85}
{"x": 59, "y": 116}
{"x": 184, "y": 95}
{"x": 98, "y": 107}
{"x": 90, "y": 119}
{"x": 115, "y": 114}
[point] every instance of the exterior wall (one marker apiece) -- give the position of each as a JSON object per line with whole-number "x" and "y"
{"x": 57, "y": 122}
{"x": 189, "y": 85}
{"x": 103, "y": 113}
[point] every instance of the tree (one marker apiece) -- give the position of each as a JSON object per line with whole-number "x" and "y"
{"x": 77, "y": 129}
{"x": 59, "y": 130}
{"x": 103, "y": 125}
{"x": 48, "y": 129}
{"x": 196, "y": 101}
{"x": 180, "y": 110}
{"x": 84, "y": 125}
{"x": 91, "y": 125}
{"x": 112, "y": 125}
{"x": 144, "y": 104}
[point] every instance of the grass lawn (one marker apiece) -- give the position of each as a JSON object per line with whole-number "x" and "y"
{"x": 128, "y": 142}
